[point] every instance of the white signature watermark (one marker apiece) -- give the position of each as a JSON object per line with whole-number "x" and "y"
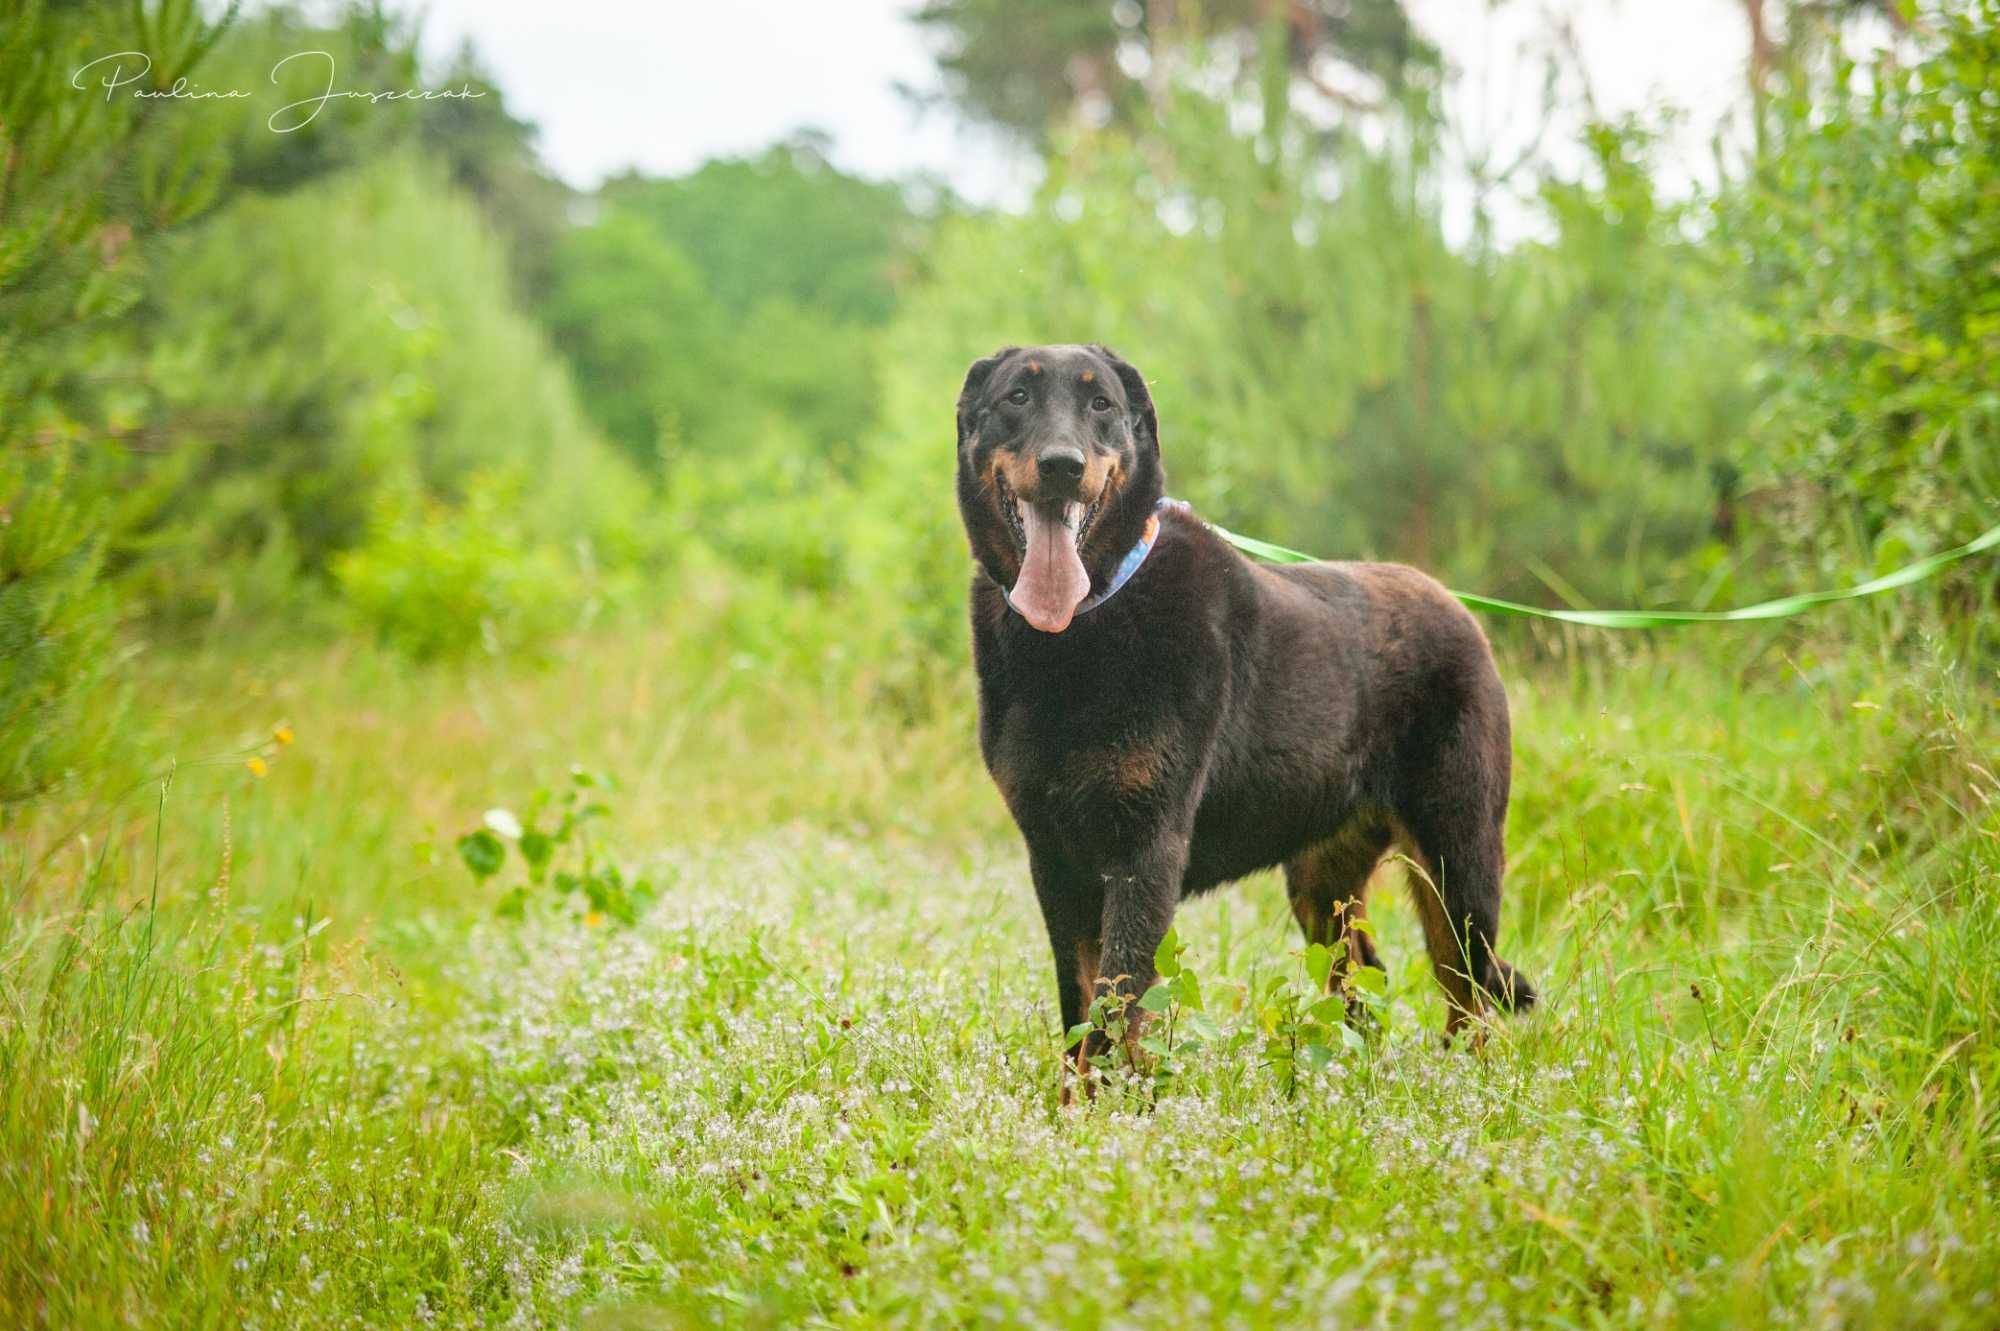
{"x": 127, "y": 68}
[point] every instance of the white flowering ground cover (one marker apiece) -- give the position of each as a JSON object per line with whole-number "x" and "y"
{"x": 815, "y": 1084}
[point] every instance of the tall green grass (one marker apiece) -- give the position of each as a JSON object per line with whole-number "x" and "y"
{"x": 267, "y": 1056}
{"x": 213, "y": 1117}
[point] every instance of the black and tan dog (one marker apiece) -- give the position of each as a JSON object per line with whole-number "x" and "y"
{"x": 1163, "y": 715}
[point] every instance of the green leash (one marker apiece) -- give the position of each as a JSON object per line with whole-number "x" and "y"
{"x": 1647, "y": 619}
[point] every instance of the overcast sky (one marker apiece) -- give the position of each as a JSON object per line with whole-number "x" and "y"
{"x": 662, "y": 86}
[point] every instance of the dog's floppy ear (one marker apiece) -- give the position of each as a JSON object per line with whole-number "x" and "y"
{"x": 1146, "y": 419}
{"x": 975, "y": 383}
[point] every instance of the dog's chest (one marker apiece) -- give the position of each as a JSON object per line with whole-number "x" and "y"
{"x": 1110, "y": 755}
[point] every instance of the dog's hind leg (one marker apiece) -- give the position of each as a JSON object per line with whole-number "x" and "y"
{"x": 1453, "y": 826}
{"x": 1456, "y": 949}
{"x": 1456, "y": 856}
{"x": 1328, "y": 885}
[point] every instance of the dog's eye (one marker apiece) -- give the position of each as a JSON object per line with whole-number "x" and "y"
{"x": 1018, "y": 397}
{"x": 1100, "y": 403}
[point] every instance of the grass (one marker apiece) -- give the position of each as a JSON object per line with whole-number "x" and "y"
{"x": 269, "y": 1057}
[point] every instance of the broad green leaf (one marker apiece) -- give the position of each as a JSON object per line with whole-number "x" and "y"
{"x": 1319, "y": 963}
{"x": 482, "y": 852}
{"x": 1329, "y": 1011}
{"x": 1201, "y": 1026}
{"x": 537, "y": 850}
{"x": 1187, "y": 990}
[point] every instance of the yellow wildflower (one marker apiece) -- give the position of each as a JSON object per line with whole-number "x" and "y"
{"x": 257, "y": 766}
{"x": 592, "y": 920}
{"x": 282, "y": 734}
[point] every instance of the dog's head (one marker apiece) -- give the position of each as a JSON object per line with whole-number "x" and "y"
{"x": 1058, "y": 472}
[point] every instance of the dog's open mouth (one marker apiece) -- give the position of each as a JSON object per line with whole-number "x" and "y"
{"x": 1049, "y": 538}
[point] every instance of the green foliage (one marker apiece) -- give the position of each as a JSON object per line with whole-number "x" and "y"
{"x": 393, "y": 361}
{"x": 81, "y": 166}
{"x": 1297, "y": 1030}
{"x": 1326, "y": 367}
{"x": 285, "y": 55}
{"x": 562, "y": 857}
{"x": 785, "y": 225}
{"x": 1304, "y": 1029}
{"x": 1150, "y": 1039}
{"x": 187, "y": 1101}
{"x": 824, "y": 1076}
{"x": 641, "y": 332}
{"x": 1026, "y": 65}
{"x": 700, "y": 312}
{"x": 440, "y": 581}
{"x": 487, "y": 151}
{"x": 176, "y": 439}
{"x": 722, "y": 328}
{"x": 1870, "y": 235}
{"x": 57, "y": 616}
{"x": 82, "y": 178}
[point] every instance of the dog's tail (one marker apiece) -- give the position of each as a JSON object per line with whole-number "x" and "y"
{"x": 1510, "y": 989}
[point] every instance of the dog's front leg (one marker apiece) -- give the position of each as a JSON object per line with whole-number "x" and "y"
{"x": 1073, "y": 910}
{"x": 1140, "y": 893}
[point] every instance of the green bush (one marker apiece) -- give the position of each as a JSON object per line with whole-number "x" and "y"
{"x": 1870, "y": 238}
{"x": 379, "y": 351}
{"x": 695, "y": 310}
{"x": 441, "y": 581}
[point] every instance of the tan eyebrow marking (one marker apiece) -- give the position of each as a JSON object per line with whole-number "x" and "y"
{"x": 1090, "y": 376}
{"x": 1034, "y": 367}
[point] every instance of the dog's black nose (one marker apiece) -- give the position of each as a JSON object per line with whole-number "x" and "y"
{"x": 1061, "y": 466}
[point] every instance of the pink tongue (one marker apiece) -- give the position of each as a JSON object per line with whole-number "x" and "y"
{"x": 1052, "y": 579}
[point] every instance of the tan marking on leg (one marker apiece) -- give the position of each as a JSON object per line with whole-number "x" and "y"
{"x": 1359, "y": 951}
{"x": 1328, "y": 884}
{"x": 1076, "y": 1062}
{"x": 1464, "y": 1001}
{"x": 1089, "y": 954}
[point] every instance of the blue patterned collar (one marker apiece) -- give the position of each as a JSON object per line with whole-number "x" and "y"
{"x": 1127, "y": 566}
